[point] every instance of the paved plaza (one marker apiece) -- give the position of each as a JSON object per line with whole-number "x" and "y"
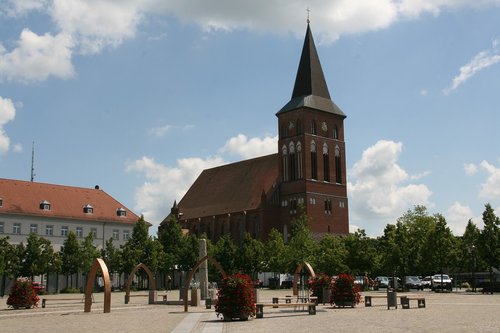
{"x": 446, "y": 312}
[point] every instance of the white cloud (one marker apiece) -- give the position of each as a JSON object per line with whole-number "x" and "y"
{"x": 457, "y": 217}
{"x": 89, "y": 26}
{"x": 97, "y": 23}
{"x": 7, "y": 113}
{"x": 470, "y": 169}
{"x": 241, "y": 146}
{"x": 37, "y": 57}
{"x": 18, "y": 148}
{"x": 160, "y": 131}
{"x": 482, "y": 60}
{"x": 165, "y": 184}
{"x": 490, "y": 188}
{"x": 380, "y": 192}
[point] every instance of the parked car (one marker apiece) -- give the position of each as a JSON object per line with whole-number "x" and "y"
{"x": 413, "y": 282}
{"x": 441, "y": 281}
{"x": 427, "y": 282}
{"x": 382, "y": 281}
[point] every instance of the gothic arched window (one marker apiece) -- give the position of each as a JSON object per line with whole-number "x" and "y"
{"x": 313, "y": 127}
{"x": 299, "y": 161}
{"x": 314, "y": 161}
{"x": 326, "y": 163}
{"x": 284, "y": 153}
{"x": 293, "y": 162}
{"x": 338, "y": 166}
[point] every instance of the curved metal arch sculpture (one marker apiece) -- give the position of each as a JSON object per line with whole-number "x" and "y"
{"x": 191, "y": 274}
{"x": 296, "y": 275}
{"x": 89, "y": 288}
{"x": 151, "y": 279}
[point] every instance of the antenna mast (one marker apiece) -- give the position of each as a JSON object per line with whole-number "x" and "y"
{"x": 33, "y": 161}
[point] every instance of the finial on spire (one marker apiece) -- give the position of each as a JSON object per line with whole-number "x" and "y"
{"x": 308, "y": 11}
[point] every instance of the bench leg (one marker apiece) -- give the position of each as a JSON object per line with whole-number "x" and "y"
{"x": 421, "y": 303}
{"x": 312, "y": 309}
{"x": 405, "y": 302}
{"x": 43, "y": 302}
{"x": 259, "y": 313}
{"x": 368, "y": 301}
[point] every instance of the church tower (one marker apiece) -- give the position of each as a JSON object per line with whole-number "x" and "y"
{"x": 312, "y": 162}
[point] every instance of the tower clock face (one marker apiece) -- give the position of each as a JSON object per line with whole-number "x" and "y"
{"x": 324, "y": 126}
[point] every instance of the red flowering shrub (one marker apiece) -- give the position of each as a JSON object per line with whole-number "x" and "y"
{"x": 236, "y": 297}
{"x": 22, "y": 294}
{"x": 318, "y": 283}
{"x": 344, "y": 291}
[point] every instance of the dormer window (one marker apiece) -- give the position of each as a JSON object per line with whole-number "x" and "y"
{"x": 121, "y": 212}
{"x": 88, "y": 209}
{"x": 45, "y": 205}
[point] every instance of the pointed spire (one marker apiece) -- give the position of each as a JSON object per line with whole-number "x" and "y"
{"x": 310, "y": 79}
{"x": 310, "y": 89}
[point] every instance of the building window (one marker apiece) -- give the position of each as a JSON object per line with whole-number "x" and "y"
{"x": 79, "y": 232}
{"x": 64, "y": 231}
{"x": 335, "y": 132}
{"x": 49, "y": 230}
{"x": 293, "y": 206}
{"x": 328, "y": 207}
{"x": 121, "y": 212}
{"x": 93, "y": 232}
{"x": 1, "y": 202}
{"x": 299, "y": 161}
{"x": 1, "y": 228}
{"x": 293, "y": 162}
{"x": 338, "y": 166}
{"x": 326, "y": 163}
{"x": 45, "y": 205}
{"x": 341, "y": 204}
{"x": 88, "y": 209}
{"x": 16, "y": 229}
{"x": 312, "y": 201}
{"x": 116, "y": 234}
{"x": 284, "y": 152}
{"x": 314, "y": 161}
{"x": 126, "y": 235}
{"x": 313, "y": 127}
{"x": 33, "y": 228}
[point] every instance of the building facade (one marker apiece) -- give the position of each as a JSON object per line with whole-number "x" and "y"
{"x": 308, "y": 171}
{"x": 52, "y": 211}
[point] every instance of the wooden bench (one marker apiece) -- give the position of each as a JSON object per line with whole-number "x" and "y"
{"x": 405, "y": 301}
{"x": 368, "y": 299}
{"x": 44, "y": 300}
{"x": 260, "y": 307}
{"x": 295, "y": 299}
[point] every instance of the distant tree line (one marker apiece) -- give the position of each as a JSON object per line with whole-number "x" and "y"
{"x": 417, "y": 244}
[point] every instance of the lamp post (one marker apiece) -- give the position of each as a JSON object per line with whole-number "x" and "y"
{"x": 473, "y": 268}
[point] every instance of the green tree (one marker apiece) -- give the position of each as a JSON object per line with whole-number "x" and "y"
{"x": 331, "y": 256}
{"x": 88, "y": 253}
{"x": 38, "y": 256}
{"x": 275, "y": 251}
{"x": 360, "y": 253}
{"x": 489, "y": 240}
{"x": 225, "y": 252}
{"x": 70, "y": 257}
{"x": 251, "y": 256}
{"x": 301, "y": 247}
{"x": 442, "y": 243}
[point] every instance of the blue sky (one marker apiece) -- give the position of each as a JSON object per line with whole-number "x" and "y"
{"x": 140, "y": 96}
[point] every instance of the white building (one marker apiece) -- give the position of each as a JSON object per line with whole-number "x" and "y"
{"x": 52, "y": 211}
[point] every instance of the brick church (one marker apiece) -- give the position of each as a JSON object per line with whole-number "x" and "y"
{"x": 309, "y": 171}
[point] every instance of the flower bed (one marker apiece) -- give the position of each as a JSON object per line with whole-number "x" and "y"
{"x": 236, "y": 298}
{"x": 344, "y": 291}
{"x": 319, "y": 285}
{"x": 22, "y": 294}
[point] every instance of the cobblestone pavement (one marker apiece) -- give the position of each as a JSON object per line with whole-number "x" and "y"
{"x": 447, "y": 312}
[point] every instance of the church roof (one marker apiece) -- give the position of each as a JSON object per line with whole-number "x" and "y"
{"x": 234, "y": 187}
{"x": 30, "y": 198}
{"x": 310, "y": 89}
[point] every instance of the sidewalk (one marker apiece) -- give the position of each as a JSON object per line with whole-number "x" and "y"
{"x": 453, "y": 312}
